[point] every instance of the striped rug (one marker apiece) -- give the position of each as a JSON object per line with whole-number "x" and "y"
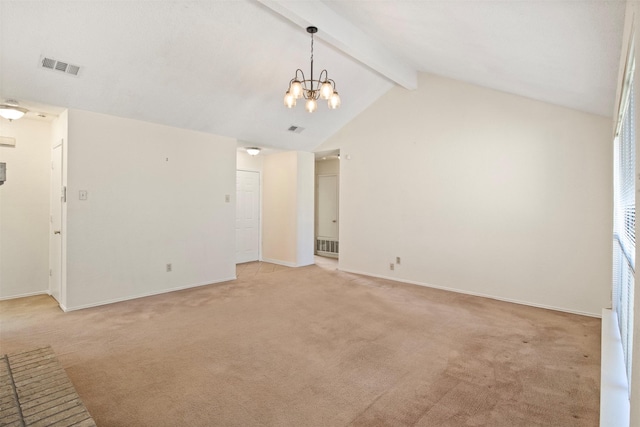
{"x": 36, "y": 391}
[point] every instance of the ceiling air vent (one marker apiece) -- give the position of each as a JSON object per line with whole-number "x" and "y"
{"x": 61, "y": 66}
{"x": 295, "y": 129}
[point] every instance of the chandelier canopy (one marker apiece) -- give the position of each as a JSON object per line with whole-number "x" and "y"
{"x": 312, "y": 89}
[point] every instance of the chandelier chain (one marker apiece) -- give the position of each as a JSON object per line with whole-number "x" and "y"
{"x": 312, "y": 61}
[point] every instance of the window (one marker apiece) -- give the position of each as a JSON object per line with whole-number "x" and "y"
{"x": 624, "y": 247}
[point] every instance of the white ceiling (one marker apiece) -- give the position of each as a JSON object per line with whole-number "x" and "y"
{"x": 223, "y": 66}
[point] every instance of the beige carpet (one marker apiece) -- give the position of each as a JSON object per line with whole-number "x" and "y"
{"x": 315, "y": 347}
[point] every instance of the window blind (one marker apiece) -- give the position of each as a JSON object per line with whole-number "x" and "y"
{"x": 625, "y": 200}
{"x": 624, "y": 222}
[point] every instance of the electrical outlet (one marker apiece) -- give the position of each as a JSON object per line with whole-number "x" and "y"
{"x": 397, "y": 260}
{"x": 169, "y": 268}
{"x": 392, "y": 266}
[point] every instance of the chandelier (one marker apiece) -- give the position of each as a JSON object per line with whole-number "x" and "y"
{"x": 312, "y": 89}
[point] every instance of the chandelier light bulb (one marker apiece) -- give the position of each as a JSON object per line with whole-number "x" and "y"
{"x": 326, "y": 90}
{"x": 296, "y": 89}
{"x": 311, "y": 105}
{"x": 289, "y": 100}
{"x": 334, "y": 101}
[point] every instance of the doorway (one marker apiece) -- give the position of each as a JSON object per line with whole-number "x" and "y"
{"x": 327, "y": 206}
{"x": 247, "y": 216}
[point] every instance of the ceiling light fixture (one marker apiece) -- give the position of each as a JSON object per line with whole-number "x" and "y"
{"x": 253, "y": 151}
{"x": 312, "y": 89}
{"x": 10, "y": 110}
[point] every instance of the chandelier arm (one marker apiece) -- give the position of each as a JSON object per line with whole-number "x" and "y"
{"x": 303, "y": 81}
{"x": 308, "y": 92}
{"x": 326, "y": 76}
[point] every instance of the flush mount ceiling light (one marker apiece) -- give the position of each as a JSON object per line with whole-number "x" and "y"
{"x": 312, "y": 89}
{"x": 10, "y": 110}
{"x": 253, "y": 151}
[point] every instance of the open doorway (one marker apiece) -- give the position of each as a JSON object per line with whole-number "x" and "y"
{"x": 327, "y": 224}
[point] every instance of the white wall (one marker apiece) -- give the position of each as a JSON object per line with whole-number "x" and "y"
{"x": 287, "y": 236}
{"x": 306, "y": 209}
{"x": 156, "y": 195}
{"x": 481, "y": 192}
{"x": 24, "y": 209}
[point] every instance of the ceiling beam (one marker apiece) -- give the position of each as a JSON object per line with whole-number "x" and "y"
{"x": 337, "y": 31}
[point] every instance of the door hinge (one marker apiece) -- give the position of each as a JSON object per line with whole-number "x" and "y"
{"x": 50, "y": 273}
{"x": 64, "y": 195}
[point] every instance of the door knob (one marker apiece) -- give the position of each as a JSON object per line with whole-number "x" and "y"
{"x": 56, "y": 231}
{"x": 334, "y": 221}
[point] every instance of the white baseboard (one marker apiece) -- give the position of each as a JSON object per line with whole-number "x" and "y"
{"x": 477, "y": 294}
{"x": 147, "y": 294}
{"x": 29, "y": 294}
{"x": 614, "y": 387}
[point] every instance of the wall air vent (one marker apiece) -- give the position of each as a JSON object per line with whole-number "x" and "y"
{"x": 60, "y": 66}
{"x": 295, "y": 129}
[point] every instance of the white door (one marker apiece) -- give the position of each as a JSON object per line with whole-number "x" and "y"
{"x": 247, "y": 216}
{"x": 55, "y": 237}
{"x": 328, "y": 207}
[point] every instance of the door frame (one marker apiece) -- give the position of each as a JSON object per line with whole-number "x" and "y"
{"x": 58, "y": 293}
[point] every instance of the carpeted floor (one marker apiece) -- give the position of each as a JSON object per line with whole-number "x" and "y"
{"x": 317, "y": 347}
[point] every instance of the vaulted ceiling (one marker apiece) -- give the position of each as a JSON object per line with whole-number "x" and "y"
{"x": 223, "y": 66}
